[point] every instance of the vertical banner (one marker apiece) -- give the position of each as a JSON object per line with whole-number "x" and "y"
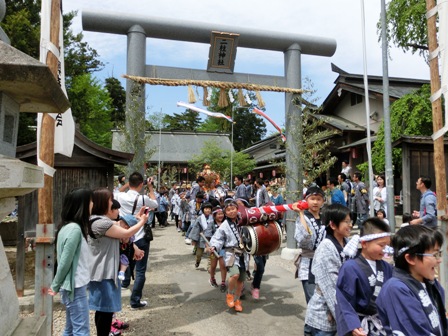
{"x": 64, "y": 135}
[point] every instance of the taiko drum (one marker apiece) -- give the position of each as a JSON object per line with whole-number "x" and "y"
{"x": 261, "y": 239}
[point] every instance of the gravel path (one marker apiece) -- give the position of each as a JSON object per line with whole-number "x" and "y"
{"x": 181, "y": 302}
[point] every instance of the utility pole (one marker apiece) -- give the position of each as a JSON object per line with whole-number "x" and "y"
{"x": 437, "y": 123}
{"x": 43, "y": 303}
{"x": 387, "y": 131}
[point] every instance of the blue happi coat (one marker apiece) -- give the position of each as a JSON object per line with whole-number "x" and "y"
{"x": 405, "y": 308}
{"x": 356, "y": 290}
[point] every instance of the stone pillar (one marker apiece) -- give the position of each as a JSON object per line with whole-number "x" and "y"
{"x": 293, "y": 121}
{"x": 136, "y": 106}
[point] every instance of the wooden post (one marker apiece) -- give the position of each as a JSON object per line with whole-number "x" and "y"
{"x": 43, "y": 303}
{"x": 439, "y": 152}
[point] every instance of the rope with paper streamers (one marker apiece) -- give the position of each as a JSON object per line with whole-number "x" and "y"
{"x": 216, "y": 84}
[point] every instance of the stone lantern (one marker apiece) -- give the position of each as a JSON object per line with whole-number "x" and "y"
{"x": 26, "y": 85}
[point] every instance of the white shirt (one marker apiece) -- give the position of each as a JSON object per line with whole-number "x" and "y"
{"x": 127, "y": 200}
{"x": 258, "y": 198}
{"x": 346, "y": 170}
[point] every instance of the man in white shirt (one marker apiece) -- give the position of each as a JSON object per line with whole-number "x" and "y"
{"x": 131, "y": 202}
{"x": 346, "y": 169}
{"x": 261, "y": 195}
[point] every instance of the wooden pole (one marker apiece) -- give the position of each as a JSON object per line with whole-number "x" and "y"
{"x": 43, "y": 303}
{"x": 439, "y": 152}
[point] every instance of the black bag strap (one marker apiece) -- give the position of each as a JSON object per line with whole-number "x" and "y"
{"x": 135, "y": 203}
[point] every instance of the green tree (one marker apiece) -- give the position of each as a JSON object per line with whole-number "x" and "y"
{"x": 133, "y": 136}
{"x": 220, "y": 161}
{"x": 406, "y": 23}
{"x": 22, "y": 25}
{"x": 91, "y": 108}
{"x": 186, "y": 121}
{"x": 169, "y": 176}
{"x": 156, "y": 120}
{"x": 248, "y": 127}
{"x": 118, "y": 95}
{"x": 80, "y": 58}
{"x": 410, "y": 115}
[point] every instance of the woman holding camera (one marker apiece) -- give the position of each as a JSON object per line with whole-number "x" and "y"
{"x": 105, "y": 288}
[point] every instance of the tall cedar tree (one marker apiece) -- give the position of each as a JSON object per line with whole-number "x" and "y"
{"x": 186, "y": 121}
{"x": 118, "y": 95}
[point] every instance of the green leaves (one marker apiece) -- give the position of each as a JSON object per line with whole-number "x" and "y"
{"x": 314, "y": 144}
{"x": 118, "y": 95}
{"x": 410, "y": 115}
{"x": 220, "y": 161}
{"x": 406, "y": 25}
{"x": 248, "y": 127}
{"x": 186, "y": 121}
{"x": 91, "y": 108}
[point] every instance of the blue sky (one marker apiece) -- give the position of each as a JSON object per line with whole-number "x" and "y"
{"x": 340, "y": 20}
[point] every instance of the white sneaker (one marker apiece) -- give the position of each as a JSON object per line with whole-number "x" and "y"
{"x": 178, "y": 230}
{"x": 142, "y": 304}
{"x": 188, "y": 241}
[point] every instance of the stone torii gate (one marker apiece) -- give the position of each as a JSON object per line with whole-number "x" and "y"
{"x": 138, "y": 28}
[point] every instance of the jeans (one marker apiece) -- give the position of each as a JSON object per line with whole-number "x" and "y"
{"x": 140, "y": 270}
{"x": 162, "y": 217}
{"x": 260, "y": 261}
{"x": 360, "y": 220}
{"x": 308, "y": 289}
{"x": 77, "y": 312}
{"x": 317, "y": 332}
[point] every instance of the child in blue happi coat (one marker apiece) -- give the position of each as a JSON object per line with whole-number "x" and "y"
{"x": 412, "y": 301}
{"x": 361, "y": 279}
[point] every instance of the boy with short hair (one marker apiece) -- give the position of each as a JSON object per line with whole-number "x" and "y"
{"x": 308, "y": 234}
{"x": 203, "y": 224}
{"x": 228, "y": 237}
{"x": 360, "y": 281}
{"x": 194, "y": 211}
{"x": 412, "y": 302}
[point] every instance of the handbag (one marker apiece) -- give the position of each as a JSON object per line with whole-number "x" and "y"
{"x": 146, "y": 227}
{"x": 148, "y": 232}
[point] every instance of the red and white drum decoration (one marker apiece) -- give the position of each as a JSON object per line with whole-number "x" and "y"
{"x": 261, "y": 239}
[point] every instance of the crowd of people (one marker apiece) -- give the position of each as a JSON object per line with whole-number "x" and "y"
{"x": 350, "y": 285}
{"x": 103, "y": 242}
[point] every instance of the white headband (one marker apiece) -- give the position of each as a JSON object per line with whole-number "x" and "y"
{"x": 374, "y": 236}
{"x": 351, "y": 248}
{"x": 402, "y": 250}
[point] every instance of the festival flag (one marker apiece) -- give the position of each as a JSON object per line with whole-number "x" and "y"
{"x": 264, "y": 115}
{"x": 211, "y": 114}
{"x": 64, "y": 135}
